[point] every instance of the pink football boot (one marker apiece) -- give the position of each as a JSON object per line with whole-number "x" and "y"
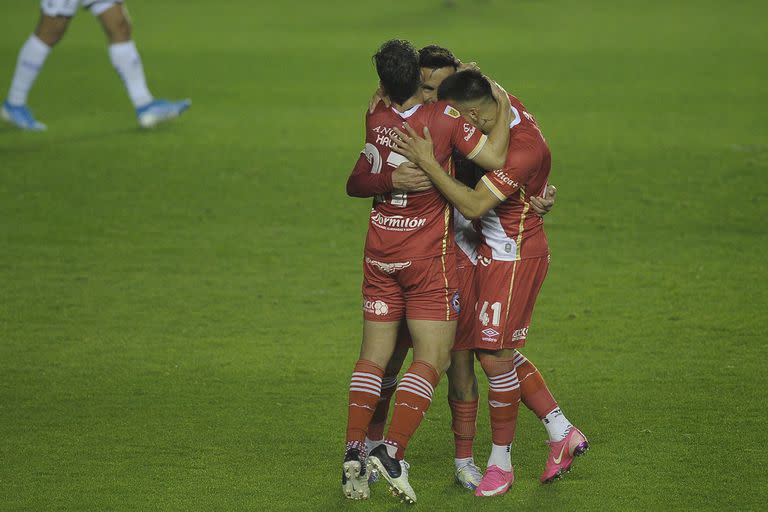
{"x": 495, "y": 482}
{"x": 562, "y": 453}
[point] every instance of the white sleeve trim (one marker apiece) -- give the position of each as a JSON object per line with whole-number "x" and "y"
{"x": 479, "y": 147}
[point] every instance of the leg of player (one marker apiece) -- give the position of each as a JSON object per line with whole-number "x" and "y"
{"x": 462, "y": 399}
{"x": 565, "y": 440}
{"x": 503, "y": 402}
{"x": 375, "y": 434}
{"x": 32, "y": 56}
{"x": 432, "y": 341}
{"x": 127, "y": 62}
{"x": 364, "y": 390}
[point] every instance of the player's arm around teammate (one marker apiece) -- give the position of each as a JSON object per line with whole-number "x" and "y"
{"x": 407, "y": 177}
{"x": 472, "y": 203}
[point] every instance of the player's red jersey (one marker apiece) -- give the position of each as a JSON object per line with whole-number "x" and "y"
{"x": 511, "y": 231}
{"x": 405, "y": 227}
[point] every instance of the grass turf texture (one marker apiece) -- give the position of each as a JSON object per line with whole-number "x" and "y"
{"x": 180, "y": 308}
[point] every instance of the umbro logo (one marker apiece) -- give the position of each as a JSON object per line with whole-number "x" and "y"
{"x": 490, "y": 332}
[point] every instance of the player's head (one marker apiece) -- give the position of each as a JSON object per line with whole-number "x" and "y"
{"x": 470, "y": 92}
{"x": 437, "y": 63}
{"x": 397, "y": 64}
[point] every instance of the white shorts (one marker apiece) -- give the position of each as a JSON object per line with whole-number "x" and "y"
{"x": 68, "y": 8}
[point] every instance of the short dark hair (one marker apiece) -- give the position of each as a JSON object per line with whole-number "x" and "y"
{"x": 469, "y": 85}
{"x": 436, "y": 57}
{"x": 397, "y": 64}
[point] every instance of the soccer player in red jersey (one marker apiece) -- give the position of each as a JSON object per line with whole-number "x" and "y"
{"x": 438, "y": 63}
{"x": 513, "y": 257}
{"x": 408, "y": 267}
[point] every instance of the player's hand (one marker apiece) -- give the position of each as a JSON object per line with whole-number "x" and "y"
{"x": 408, "y": 177}
{"x": 543, "y": 205}
{"x": 464, "y": 66}
{"x": 378, "y": 96}
{"x": 502, "y": 100}
{"x": 416, "y": 149}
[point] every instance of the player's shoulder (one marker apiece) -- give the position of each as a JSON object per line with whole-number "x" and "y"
{"x": 381, "y": 119}
{"x": 514, "y": 100}
{"x": 379, "y": 113}
{"x": 520, "y": 111}
{"x": 442, "y": 109}
{"x": 440, "y": 116}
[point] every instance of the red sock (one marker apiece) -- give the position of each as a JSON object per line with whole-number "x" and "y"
{"x": 464, "y": 426}
{"x": 533, "y": 390}
{"x": 364, "y": 390}
{"x": 376, "y": 427}
{"x": 503, "y": 398}
{"x": 412, "y": 399}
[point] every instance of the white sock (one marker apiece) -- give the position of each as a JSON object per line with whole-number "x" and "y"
{"x": 460, "y": 463}
{"x": 126, "y": 60}
{"x": 501, "y": 456}
{"x": 557, "y": 425}
{"x": 391, "y": 450}
{"x": 370, "y": 444}
{"x": 31, "y": 59}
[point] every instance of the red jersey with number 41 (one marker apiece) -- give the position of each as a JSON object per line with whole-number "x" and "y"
{"x": 413, "y": 226}
{"x": 511, "y": 231}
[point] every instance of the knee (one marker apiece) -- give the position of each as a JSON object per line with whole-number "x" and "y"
{"x": 119, "y": 30}
{"x": 51, "y": 29}
{"x": 497, "y": 363}
{"x": 443, "y": 363}
{"x": 485, "y": 361}
{"x": 116, "y": 24}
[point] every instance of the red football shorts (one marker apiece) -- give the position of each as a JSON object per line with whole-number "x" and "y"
{"x": 424, "y": 289}
{"x": 465, "y": 326}
{"x": 506, "y": 293}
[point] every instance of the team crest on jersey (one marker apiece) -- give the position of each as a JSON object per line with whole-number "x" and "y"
{"x": 451, "y": 112}
{"x": 455, "y": 303}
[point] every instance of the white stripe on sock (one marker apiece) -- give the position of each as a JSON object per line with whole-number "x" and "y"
{"x": 415, "y": 392}
{"x": 421, "y": 380}
{"x": 413, "y": 383}
{"x": 388, "y": 382}
{"x": 354, "y": 386}
{"x": 367, "y": 377}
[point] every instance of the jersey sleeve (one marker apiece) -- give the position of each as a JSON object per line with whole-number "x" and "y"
{"x": 465, "y": 137}
{"x": 365, "y": 180}
{"x": 522, "y": 163}
{"x": 364, "y": 183}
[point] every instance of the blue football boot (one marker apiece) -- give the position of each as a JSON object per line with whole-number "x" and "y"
{"x": 159, "y": 111}
{"x": 22, "y": 117}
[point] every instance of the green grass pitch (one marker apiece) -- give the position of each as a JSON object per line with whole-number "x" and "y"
{"x": 180, "y": 309}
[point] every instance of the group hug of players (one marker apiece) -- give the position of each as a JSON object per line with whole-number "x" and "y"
{"x": 455, "y": 256}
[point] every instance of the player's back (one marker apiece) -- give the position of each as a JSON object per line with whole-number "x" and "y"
{"x": 410, "y": 226}
{"x": 511, "y": 230}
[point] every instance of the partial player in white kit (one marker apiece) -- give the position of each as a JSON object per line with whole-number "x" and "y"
{"x": 54, "y": 19}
